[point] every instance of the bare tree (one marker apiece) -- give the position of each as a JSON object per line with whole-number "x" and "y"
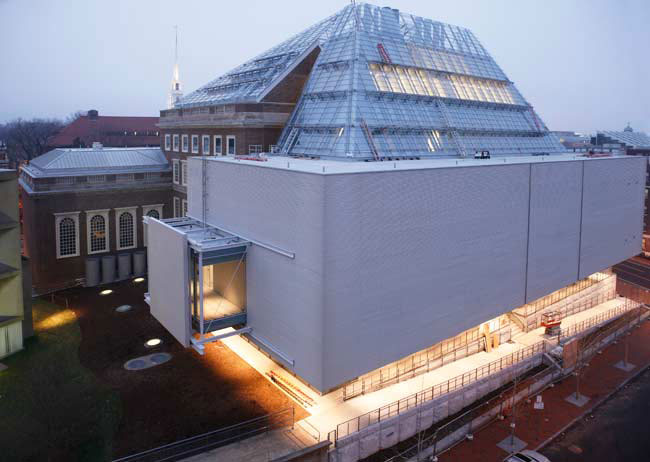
{"x": 27, "y": 139}
{"x": 73, "y": 116}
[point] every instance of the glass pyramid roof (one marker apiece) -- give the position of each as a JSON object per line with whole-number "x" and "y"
{"x": 389, "y": 85}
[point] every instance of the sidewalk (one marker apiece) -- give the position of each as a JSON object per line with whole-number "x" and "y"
{"x": 538, "y": 427}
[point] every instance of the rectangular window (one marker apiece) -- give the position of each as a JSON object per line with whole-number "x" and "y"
{"x": 176, "y": 173}
{"x": 206, "y": 145}
{"x": 231, "y": 145}
{"x": 176, "y": 143}
{"x": 168, "y": 142}
{"x": 177, "y": 207}
{"x": 195, "y": 144}
{"x": 184, "y": 208}
{"x": 124, "y": 177}
{"x": 254, "y": 148}
{"x": 184, "y": 172}
{"x": 217, "y": 145}
{"x": 96, "y": 178}
{"x": 185, "y": 140}
{"x": 126, "y": 228}
{"x": 67, "y": 234}
{"x": 65, "y": 180}
{"x": 97, "y": 231}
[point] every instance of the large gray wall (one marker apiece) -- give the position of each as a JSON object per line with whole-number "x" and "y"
{"x": 388, "y": 263}
{"x": 285, "y": 210}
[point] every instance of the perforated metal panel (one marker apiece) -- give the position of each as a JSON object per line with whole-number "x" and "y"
{"x": 168, "y": 277}
{"x": 612, "y": 212}
{"x": 412, "y": 258}
{"x": 553, "y": 247}
{"x": 390, "y": 262}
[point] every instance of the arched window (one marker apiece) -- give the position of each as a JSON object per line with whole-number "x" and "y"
{"x": 97, "y": 234}
{"x": 126, "y": 230}
{"x": 153, "y": 213}
{"x": 67, "y": 237}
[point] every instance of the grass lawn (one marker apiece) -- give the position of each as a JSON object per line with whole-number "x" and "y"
{"x": 51, "y": 407}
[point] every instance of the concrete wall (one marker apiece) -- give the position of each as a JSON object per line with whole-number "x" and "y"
{"x": 388, "y": 263}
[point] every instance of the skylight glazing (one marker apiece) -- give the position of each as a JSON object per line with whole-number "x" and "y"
{"x": 388, "y": 85}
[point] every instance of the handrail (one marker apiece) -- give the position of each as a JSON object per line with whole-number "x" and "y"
{"x": 397, "y": 407}
{"x": 215, "y": 438}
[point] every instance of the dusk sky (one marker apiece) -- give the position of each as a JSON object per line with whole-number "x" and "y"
{"x": 583, "y": 64}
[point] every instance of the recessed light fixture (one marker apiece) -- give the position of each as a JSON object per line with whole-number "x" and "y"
{"x": 106, "y": 292}
{"x": 138, "y": 280}
{"x": 154, "y": 342}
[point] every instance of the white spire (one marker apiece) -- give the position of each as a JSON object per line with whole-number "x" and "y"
{"x": 175, "y": 92}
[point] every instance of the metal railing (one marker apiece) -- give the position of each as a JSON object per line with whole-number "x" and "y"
{"x": 214, "y": 439}
{"x": 559, "y": 295}
{"x": 390, "y": 410}
{"x": 573, "y": 308}
{"x": 598, "y": 319}
{"x": 412, "y": 366}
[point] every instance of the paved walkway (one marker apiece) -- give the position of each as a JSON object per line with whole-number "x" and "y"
{"x": 261, "y": 448}
{"x": 538, "y": 427}
{"x": 330, "y": 410}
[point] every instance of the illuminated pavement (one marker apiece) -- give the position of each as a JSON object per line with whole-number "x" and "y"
{"x": 330, "y": 410}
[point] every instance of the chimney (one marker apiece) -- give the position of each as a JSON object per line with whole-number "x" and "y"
{"x": 93, "y": 114}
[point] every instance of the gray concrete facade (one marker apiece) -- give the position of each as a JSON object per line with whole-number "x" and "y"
{"x": 389, "y": 262}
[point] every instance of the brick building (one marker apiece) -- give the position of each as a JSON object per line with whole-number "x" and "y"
{"x": 110, "y": 131}
{"x": 80, "y": 203}
{"x": 242, "y": 112}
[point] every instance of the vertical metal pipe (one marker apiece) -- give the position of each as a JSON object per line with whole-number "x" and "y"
{"x": 202, "y": 317}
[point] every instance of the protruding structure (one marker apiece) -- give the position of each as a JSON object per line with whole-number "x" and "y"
{"x": 175, "y": 91}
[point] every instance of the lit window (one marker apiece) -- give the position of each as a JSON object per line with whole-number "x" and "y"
{"x": 67, "y": 235}
{"x": 231, "y": 145}
{"x": 153, "y": 211}
{"x": 185, "y": 143}
{"x": 176, "y": 142}
{"x": 217, "y": 145}
{"x": 176, "y": 167}
{"x": 96, "y": 226}
{"x": 168, "y": 142}
{"x": 126, "y": 229}
{"x": 206, "y": 145}
{"x": 195, "y": 144}
{"x": 184, "y": 172}
{"x": 177, "y": 207}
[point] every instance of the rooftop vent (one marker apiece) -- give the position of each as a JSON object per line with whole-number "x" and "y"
{"x": 97, "y": 145}
{"x": 93, "y": 114}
